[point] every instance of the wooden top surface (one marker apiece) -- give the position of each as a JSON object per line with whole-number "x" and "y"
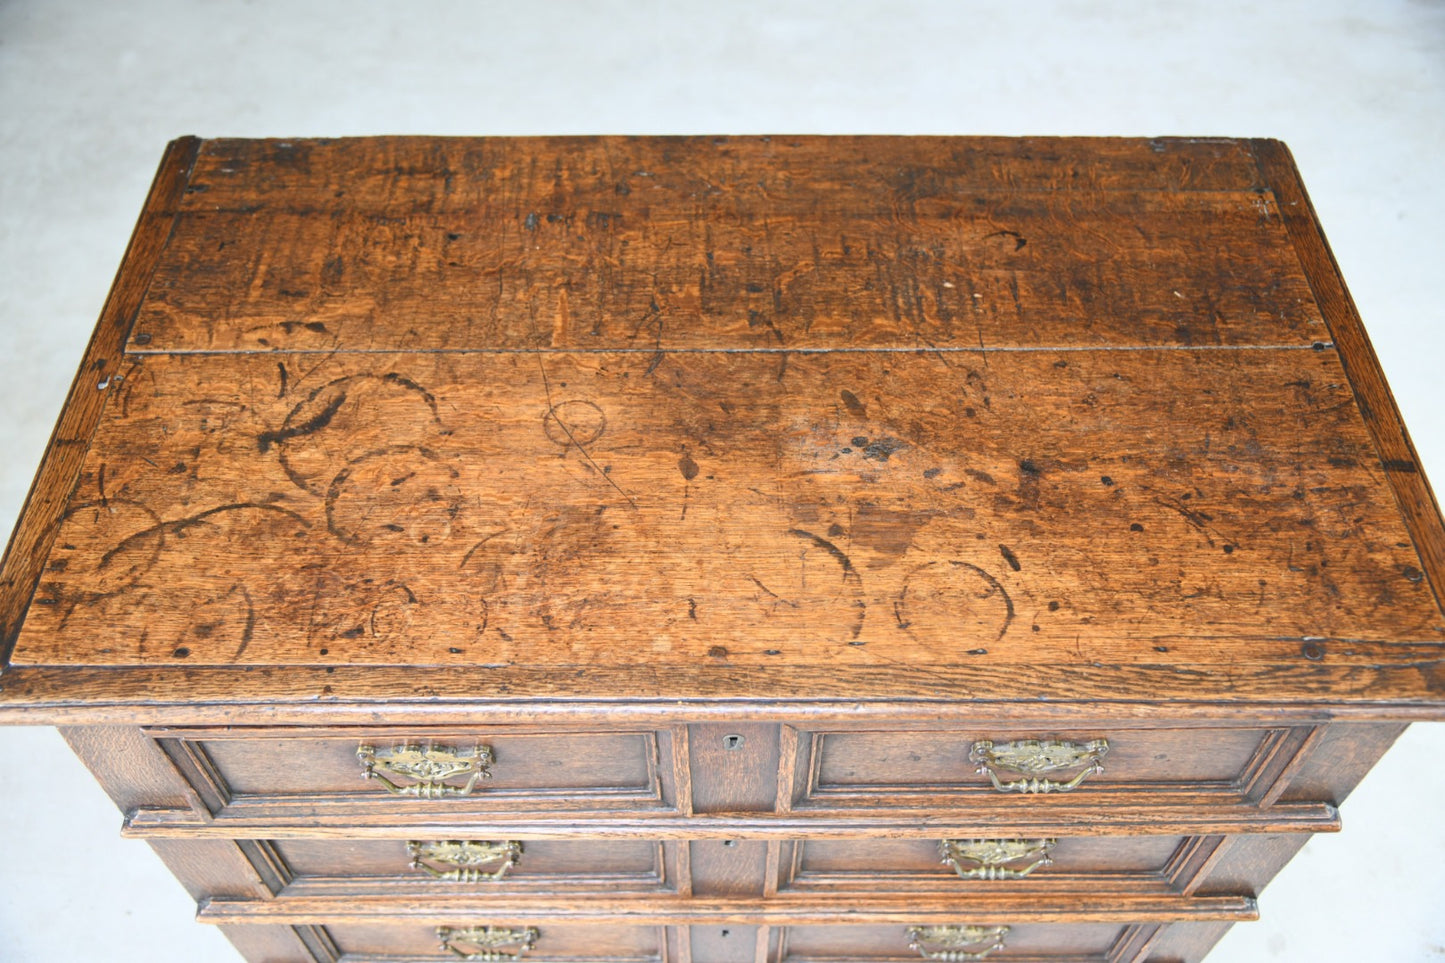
{"x": 791, "y": 418}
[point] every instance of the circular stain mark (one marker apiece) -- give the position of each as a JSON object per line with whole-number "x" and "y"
{"x": 324, "y": 430}
{"x": 576, "y": 422}
{"x": 394, "y": 495}
{"x": 953, "y": 599}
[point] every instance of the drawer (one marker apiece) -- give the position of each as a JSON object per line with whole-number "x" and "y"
{"x": 941, "y": 768}
{"x": 574, "y": 942}
{"x": 1133, "y": 864}
{"x": 406, "y": 942}
{"x": 1033, "y": 942}
{"x": 295, "y": 773}
{"x": 421, "y": 868}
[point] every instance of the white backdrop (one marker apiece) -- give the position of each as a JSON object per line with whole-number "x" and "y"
{"x": 90, "y": 93}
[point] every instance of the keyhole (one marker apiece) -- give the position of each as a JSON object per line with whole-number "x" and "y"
{"x": 724, "y": 932}
{"x": 730, "y": 843}
{"x": 732, "y": 742}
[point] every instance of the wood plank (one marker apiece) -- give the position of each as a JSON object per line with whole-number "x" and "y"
{"x": 850, "y": 509}
{"x": 781, "y": 910}
{"x": 95, "y": 383}
{"x": 1344, "y": 687}
{"x": 1198, "y": 814}
{"x": 526, "y": 244}
{"x": 1372, "y": 394}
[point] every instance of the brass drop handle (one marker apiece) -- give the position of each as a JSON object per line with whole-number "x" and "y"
{"x": 996, "y": 858}
{"x": 429, "y": 767}
{"x": 1032, "y": 758}
{"x": 956, "y": 943}
{"x": 487, "y": 942}
{"x": 462, "y": 861}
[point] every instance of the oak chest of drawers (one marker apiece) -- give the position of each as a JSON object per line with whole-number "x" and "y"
{"x": 781, "y": 550}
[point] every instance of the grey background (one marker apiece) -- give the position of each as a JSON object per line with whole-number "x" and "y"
{"x": 90, "y": 93}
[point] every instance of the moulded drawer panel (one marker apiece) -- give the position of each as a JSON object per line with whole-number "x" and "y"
{"x": 290, "y": 770}
{"x": 869, "y": 766}
{"x": 1052, "y": 942}
{"x": 386, "y": 866}
{"x": 885, "y": 865}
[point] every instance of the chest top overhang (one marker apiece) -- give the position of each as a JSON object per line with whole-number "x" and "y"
{"x": 431, "y": 419}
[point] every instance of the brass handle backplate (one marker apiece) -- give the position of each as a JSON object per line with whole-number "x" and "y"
{"x": 486, "y": 943}
{"x": 433, "y": 770}
{"x": 996, "y": 858}
{"x": 956, "y": 943}
{"x": 463, "y": 861}
{"x": 1031, "y": 758}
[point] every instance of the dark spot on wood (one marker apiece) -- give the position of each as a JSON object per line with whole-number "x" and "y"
{"x": 1136, "y": 527}
{"x": 977, "y": 652}
{"x": 858, "y": 441}
{"x": 1412, "y": 573}
{"x": 834, "y": 530}
{"x": 1313, "y": 651}
{"x": 1161, "y": 648}
{"x": 205, "y": 630}
{"x": 1053, "y": 606}
{"x": 851, "y": 402}
{"x": 181, "y": 652}
{"x": 454, "y": 650}
{"x": 932, "y": 472}
{"x": 688, "y": 467}
{"x": 355, "y": 632}
{"x": 1011, "y": 558}
{"x": 454, "y": 236}
{"x": 772, "y": 652}
{"x": 980, "y": 476}
{"x": 531, "y": 222}
{"x": 1229, "y": 550}
{"x": 717, "y": 652}
{"x": 141, "y": 338}
{"x": 692, "y": 609}
{"x": 1106, "y": 480}
{"x": 1400, "y": 465}
{"x": 883, "y": 448}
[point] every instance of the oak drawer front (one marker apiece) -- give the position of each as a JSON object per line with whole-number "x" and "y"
{"x": 1044, "y": 865}
{"x": 1033, "y": 942}
{"x": 450, "y": 867}
{"x": 408, "y": 942}
{"x": 457, "y": 772}
{"x": 887, "y": 768}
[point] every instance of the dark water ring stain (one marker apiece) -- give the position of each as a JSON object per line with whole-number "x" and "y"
{"x": 995, "y": 587}
{"x": 333, "y": 491}
{"x": 313, "y": 423}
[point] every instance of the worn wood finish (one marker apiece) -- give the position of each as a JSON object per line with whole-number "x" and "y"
{"x": 95, "y": 383}
{"x": 1178, "y": 814}
{"x": 729, "y": 490}
{"x": 1080, "y": 909}
{"x": 662, "y": 527}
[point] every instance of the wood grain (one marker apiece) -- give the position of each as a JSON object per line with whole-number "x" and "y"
{"x": 663, "y": 243}
{"x": 97, "y": 380}
{"x": 585, "y": 509}
{"x": 1398, "y": 461}
{"x": 663, "y": 911}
